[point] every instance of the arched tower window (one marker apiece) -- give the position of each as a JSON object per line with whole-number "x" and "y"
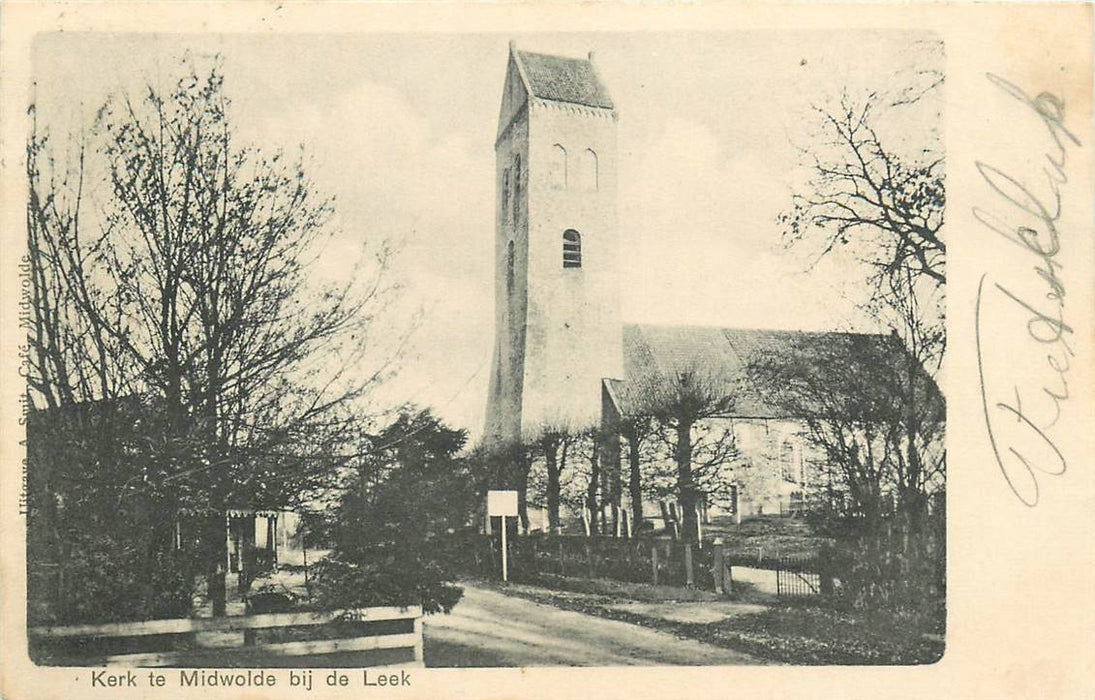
{"x": 557, "y": 167}
{"x": 572, "y": 248}
{"x": 509, "y": 267}
{"x": 590, "y": 176}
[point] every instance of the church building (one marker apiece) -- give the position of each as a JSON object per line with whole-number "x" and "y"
{"x": 563, "y": 358}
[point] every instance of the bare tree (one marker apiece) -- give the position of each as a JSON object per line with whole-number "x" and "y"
{"x": 186, "y": 277}
{"x": 682, "y": 405}
{"x": 554, "y": 445}
{"x": 587, "y": 478}
{"x": 884, "y": 200}
{"x": 885, "y": 204}
{"x": 862, "y": 193}
{"x": 567, "y": 470}
{"x": 855, "y": 394}
{"x": 637, "y": 431}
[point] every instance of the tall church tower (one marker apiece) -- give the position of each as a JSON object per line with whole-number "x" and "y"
{"x": 557, "y": 304}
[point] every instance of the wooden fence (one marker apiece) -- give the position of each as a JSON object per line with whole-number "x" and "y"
{"x": 659, "y": 560}
{"x": 266, "y": 639}
{"x": 639, "y": 560}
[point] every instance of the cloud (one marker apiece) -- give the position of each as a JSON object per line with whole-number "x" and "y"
{"x": 701, "y": 242}
{"x": 396, "y": 175}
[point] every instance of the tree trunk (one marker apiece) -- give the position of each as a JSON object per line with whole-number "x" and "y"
{"x": 614, "y": 491}
{"x": 685, "y": 484}
{"x": 606, "y": 494}
{"x": 216, "y": 578}
{"x": 912, "y": 500}
{"x": 551, "y": 457}
{"x": 221, "y": 477}
{"x": 635, "y": 484}
{"x": 523, "y": 467}
{"x": 594, "y": 483}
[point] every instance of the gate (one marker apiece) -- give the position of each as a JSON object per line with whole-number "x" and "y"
{"x": 797, "y": 576}
{"x": 794, "y": 584}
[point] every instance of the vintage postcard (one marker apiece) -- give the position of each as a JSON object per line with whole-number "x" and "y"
{"x": 547, "y": 350}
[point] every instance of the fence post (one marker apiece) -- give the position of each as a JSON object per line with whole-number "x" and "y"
{"x": 688, "y": 577}
{"x": 418, "y": 640}
{"x": 654, "y": 561}
{"x": 781, "y": 585}
{"x": 589, "y": 557}
{"x": 718, "y": 565}
{"x": 825, "y": 570}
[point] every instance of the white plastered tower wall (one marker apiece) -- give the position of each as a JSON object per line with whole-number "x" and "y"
{"x": 558, "y": 329}
{"x": 503, "y": 421}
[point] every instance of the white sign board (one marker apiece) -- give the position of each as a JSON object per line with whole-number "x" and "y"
{"x": 502, "y": 503}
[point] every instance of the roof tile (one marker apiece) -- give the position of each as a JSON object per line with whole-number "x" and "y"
{"x": 562, "y": 79}
{"x": 654, "y": 352}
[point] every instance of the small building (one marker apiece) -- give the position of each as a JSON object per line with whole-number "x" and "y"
{"x": 266, "y": 539}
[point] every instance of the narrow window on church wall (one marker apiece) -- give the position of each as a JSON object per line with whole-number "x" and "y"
{"x": 791, "y": 461}
{"x": 787, "y": 461}
{"x": 589, "y": 170}
{"x": 800, "y": 463}
{"x": 557, "y": 167}
{"x": 509, "y": 267}
{"x": 517, "y": 189}
{"x": 572, "y": 248}
{"x": 505, "y": 193}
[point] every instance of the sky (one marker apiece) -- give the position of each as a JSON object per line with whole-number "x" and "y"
{"x": 400, "y": 129}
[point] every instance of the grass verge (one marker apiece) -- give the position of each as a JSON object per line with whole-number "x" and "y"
{"x": 792, "y": 633}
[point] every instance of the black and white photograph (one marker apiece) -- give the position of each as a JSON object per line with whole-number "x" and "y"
{"x": 349, "y": 355}
{"x": 675, "y": 401}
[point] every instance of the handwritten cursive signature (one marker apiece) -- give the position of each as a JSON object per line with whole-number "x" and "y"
{"x": 1020, "y": 436}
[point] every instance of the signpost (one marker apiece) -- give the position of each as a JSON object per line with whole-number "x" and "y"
{"x": 502, "y": 504}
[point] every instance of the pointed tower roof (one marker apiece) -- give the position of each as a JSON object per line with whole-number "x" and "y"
{"x": 538, "y": 76}
{"x": 562, "y": 79}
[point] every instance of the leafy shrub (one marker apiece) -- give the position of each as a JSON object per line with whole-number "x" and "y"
{"x": 898, "y": 571}
{"x": 400, "y": 580}
{"x": 100, "y": 524}
{"x": 107, "y": 579}
{"x": 270, "y": 601}
{"x": 390, "y": 531}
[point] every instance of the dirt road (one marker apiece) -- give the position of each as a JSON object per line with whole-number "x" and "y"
{"x": 488, "y": 628}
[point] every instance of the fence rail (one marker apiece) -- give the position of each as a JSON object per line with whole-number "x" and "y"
{"x": 176, "y": 642}
{"x": 658, "y": 560}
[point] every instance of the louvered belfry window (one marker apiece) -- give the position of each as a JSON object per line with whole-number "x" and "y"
{"x": 572, "y": 248}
